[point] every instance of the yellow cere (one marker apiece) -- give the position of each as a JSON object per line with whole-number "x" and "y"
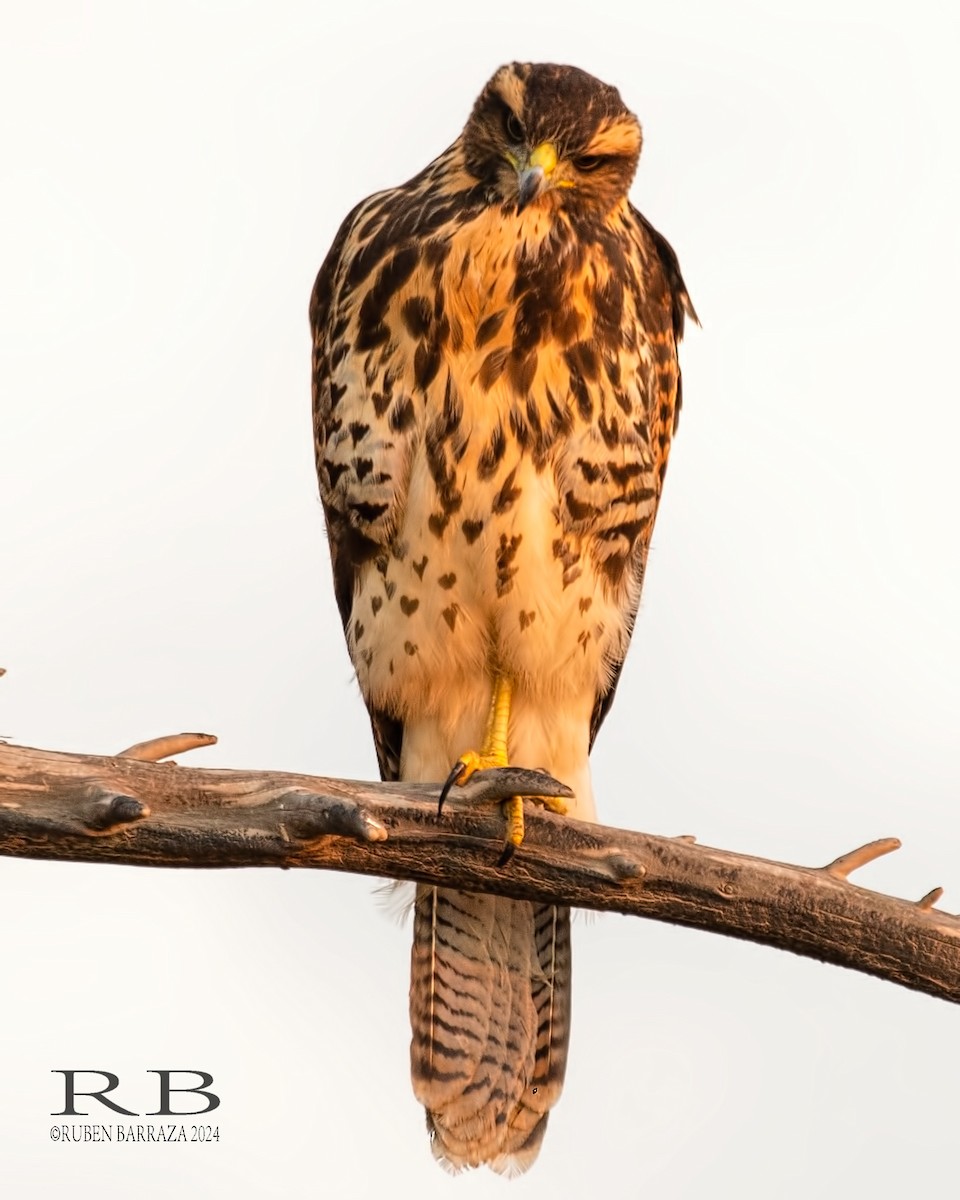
{"x": 544, "y": 156}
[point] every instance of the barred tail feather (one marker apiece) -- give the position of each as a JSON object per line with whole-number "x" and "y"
{"x": 490, "y": 1012}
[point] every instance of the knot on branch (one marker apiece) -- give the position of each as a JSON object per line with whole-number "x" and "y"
{"x": 495, "y": 784}
{"x": 311, "y": 816}
{"x": 106, "y": 810}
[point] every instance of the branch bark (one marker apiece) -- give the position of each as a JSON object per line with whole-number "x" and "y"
{"x": 132, "y": 809}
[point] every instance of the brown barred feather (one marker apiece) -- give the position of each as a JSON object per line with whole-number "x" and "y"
{"x": 490, "y": 1011}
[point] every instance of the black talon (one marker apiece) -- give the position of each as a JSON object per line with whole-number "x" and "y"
{"x": 455, "y": 774}
{"x": 506, "y": 854}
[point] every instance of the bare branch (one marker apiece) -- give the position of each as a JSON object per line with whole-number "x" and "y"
{"x": 928, "y": 901}
{"x": 842, "y": 867}
{"x": 165, "y": 747}
{"x": 123, "y": 810}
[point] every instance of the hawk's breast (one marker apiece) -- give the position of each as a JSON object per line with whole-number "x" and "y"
{"x": 528, "y": 481}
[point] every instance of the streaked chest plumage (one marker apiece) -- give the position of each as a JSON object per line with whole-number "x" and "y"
{"x": 507, "y": 458}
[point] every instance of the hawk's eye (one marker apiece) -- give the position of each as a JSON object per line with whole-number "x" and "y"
{"x": 589, "y": 162}
{"x": 512, "y": 127}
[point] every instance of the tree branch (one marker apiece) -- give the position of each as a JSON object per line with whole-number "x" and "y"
{"x": 131, "y": 809}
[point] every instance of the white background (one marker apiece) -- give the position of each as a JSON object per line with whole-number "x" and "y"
{"x": 171, "y": 179}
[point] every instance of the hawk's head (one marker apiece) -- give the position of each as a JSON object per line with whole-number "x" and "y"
{"x": 541, "y": 133}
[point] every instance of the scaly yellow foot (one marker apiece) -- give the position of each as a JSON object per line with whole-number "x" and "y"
{"x": 494, "y": 749}
{"x": 493, "y": 753}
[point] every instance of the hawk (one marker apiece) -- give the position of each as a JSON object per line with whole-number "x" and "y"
{"x": 495, "y": 389}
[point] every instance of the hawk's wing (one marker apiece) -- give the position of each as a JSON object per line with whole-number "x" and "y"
{"x": 361, "y": 433}
{"x": 664, "y": 291}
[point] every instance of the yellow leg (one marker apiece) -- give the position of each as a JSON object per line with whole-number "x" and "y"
{"x": 493, "y": 753}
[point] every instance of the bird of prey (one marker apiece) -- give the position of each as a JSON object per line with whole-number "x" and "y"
{"x": 495, "y": 388}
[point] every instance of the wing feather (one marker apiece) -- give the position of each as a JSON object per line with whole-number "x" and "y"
{"x": 358, "y": 503}
{"x": 662, "y": 288}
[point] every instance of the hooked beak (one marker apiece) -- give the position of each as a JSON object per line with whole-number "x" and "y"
{"x": 533, "y": 176}
{"x": 531, "y": 183}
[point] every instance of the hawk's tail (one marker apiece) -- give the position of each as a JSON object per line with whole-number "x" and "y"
{"x": 490, "y": 1010}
